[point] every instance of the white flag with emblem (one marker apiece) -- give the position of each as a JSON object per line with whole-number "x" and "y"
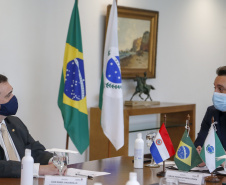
{"x": 212, "y": 149}
{"x": 112, "y": 120}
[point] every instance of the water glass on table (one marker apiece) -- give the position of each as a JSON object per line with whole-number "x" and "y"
{"x": 150, "y": 136}
{"x": 168, "y": 181}
{"x": 60, "y": 160}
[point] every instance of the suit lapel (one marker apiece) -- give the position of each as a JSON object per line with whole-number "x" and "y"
{"x": 2, "y": 154}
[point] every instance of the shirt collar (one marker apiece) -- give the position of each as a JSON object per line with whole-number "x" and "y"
{"x": 3, "y": 122}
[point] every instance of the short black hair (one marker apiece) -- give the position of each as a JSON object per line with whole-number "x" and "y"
{"x": 221, "y": 71}
{"x": 3, "y": 78}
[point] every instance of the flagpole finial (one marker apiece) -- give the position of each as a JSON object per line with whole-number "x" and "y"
{"x": 188, "y": 117}
{"x": 165, "y": 119}
{"x": 214, "y": 124}
{"x": 187, "y": 127}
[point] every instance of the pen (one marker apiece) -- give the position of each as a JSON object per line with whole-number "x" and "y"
{"x": 88, "y": 176}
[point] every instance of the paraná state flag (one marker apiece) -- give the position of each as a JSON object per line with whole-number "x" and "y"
{"x": 162, "y": 146}
{"x": 186, "y": 156}
{"x": 111, "y": 97}
{"x": 211, "y": 149}
{"x": 72, "y": 92}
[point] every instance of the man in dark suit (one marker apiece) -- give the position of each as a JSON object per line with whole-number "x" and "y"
{"x": 19, "y": 138}
{"x": 218, "y": 111}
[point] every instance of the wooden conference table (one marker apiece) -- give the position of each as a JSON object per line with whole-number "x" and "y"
{"x": 119, "y": 167}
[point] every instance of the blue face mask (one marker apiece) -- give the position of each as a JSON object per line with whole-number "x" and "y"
{"x": 219, "y": 101}
{"x": 9, "y": 108}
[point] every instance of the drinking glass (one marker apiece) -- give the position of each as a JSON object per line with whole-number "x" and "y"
{"x": 168, "y": 181}
{"x": 150, "y": 136}
{"x": 60, "y": 160}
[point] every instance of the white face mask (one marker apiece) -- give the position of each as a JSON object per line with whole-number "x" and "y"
{"x": 219, "y": 101}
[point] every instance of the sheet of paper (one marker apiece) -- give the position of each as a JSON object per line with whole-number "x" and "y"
{"x": 79, "y": 172}
{"x": 203, "y": 170}
{"x": 168, "y": 163}
{"x": 222, "y": 172}
{"x": 200, "y": 168}
{"x": 61, "y": 150}
{"x": 221, "y": 157}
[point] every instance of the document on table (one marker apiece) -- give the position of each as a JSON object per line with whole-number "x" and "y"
{"x": 86, "y": 173}
{"x": 167, "y": 163}
{"x": 195, "y": 169}
{"x": 204, "y": 169}
{"x": 222, "y": 172}
{"x": 61, "y": 150}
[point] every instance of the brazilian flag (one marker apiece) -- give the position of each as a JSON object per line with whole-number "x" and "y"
{"x": 186, "y": 156}
{"x": 72, "y": 93}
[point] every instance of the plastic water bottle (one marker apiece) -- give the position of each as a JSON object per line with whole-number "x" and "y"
{"x": 27, "y": 169}
{"x": 132, "y": 179}
{"x": 139, "y": 152}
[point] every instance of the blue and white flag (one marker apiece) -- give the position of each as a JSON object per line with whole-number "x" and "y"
{"x": 111, "y": 97}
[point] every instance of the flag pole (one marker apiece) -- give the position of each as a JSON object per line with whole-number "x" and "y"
{"x": 67, "y": 136}
{"x": 212, "y": 178}
{"x": 163, "y": 172}
{"x": 109, "y": 151}
{"x": 67, "y": 140}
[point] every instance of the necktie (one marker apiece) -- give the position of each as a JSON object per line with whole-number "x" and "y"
{"x": 9, "y": 148}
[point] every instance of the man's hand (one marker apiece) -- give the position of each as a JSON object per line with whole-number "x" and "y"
{"x": 223, "y": 164}
{"x": 50, "y": 169}
{"x": 199, "y": 148}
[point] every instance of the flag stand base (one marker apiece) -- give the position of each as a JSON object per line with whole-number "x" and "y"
{"x": 161, "y": 174}
{"x": 212, "y": 178}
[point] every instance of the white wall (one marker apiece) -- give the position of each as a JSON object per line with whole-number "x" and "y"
{"x": 191, "y": 45}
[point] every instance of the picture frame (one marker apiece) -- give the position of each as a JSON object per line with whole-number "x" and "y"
{"x": 137, "y": 35}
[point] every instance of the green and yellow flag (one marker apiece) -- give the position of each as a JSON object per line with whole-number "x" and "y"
{"x": 186, "y": 156}
{"x": 72, "y": 93}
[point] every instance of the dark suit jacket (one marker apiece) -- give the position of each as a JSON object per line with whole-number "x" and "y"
{"x": 22, "y": 140}
{"x": 220, "y": 118}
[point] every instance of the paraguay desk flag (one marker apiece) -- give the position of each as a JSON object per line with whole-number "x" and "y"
{"x": 72, "y": 93}
{"x": 186, "y": 156}
{"x": 162, "y": 147}
{"x": 211, "y": 149}
{"x": 111, "y": 98}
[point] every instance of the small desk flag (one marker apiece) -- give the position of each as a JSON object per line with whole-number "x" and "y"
{"x": 111, "y": 98}
{"x": 211, "y": 149}
{"x": 72, "y": 93}
{"x": 186, "y": 156}
{"x": 162, "y": 147}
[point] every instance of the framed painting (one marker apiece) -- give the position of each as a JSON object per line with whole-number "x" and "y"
{"x": 137, "y": 38}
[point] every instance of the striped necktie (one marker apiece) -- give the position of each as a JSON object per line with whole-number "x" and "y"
{"x": 9, "y": 148}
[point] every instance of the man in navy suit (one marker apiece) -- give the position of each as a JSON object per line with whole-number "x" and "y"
{"x": 19, "y": 139}
{"x": 217, "y": 110}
